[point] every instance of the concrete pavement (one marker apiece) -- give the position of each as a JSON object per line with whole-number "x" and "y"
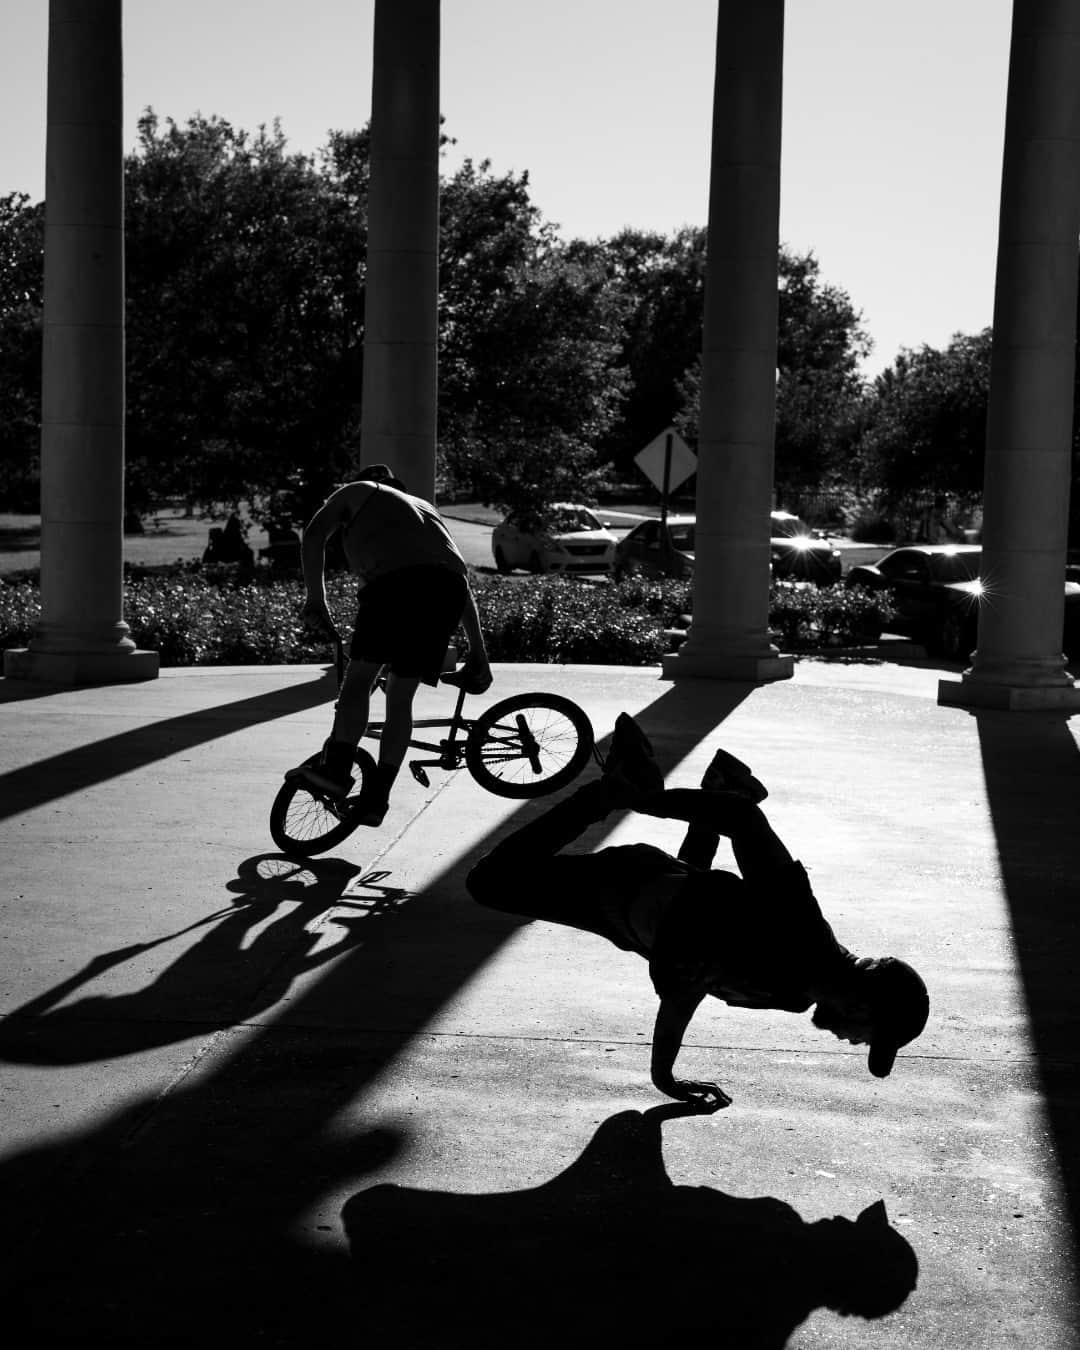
{"x": 252, "y": 1102}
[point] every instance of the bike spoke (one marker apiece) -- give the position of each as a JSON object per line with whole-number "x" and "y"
{"x": 549, "y": 736}
{"x": 310, "y": 817}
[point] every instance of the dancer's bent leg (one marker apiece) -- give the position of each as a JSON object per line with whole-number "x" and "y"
{"x": 756, "y": 845}
{"x": 526, "y": 874}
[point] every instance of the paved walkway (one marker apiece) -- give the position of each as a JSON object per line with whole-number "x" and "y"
{"x": 252, "y": 1103}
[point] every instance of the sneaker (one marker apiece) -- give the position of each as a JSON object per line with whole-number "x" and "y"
{"x": 318, "y": 776}
{"x": 330, "y": 772}
{"x": 371, "y": 810}
{"x": 631, "y": 769}
{"x": 728, "y": 774}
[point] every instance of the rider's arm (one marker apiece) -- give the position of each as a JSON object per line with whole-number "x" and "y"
{"x": 470, "y": 619}
{"x": 331, "y": 516}
{"x": 672, "y": 1018}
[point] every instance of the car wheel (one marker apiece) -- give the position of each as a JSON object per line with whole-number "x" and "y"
{"x": 500, "y": 560}
{"x": 956, "y": 643}
{"x": 536, "y": 564}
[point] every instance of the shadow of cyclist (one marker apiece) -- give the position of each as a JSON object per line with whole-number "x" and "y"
{"x": 242, "y": 966}
{"x": 610, "y": 1252}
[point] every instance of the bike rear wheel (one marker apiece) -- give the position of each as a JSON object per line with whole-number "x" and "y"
{"x": 304, "y": 821}
{"x": 529, "y": 745}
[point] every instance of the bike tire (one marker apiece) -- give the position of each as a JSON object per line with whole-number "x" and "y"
{"x": 302, "y": 822}
{"x": 562, "y": 737}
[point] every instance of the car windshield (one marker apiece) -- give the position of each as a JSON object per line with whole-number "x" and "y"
{"x": 682, "y": 536}
{"x": 567, "y": 519}
{"x": 950, "y": 567}
{"x": 787, "y": 527}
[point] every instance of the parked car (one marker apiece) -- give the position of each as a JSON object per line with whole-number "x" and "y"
{"x": 794, "y": 553}
{"x": 936, "y": 589}
{"x": 648, "y": 551}
{"x": 571, "y": 539}
{"x": 797, "y": 555}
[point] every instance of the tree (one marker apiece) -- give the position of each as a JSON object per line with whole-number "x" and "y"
{"x": 529, "y": 340}
{"x": 820, "y": 340}
{"x": 926, "y": 431}
{"x": 22, "y": 249}
{"x": 245, "y": 314}
{"x": 659, "y": 283}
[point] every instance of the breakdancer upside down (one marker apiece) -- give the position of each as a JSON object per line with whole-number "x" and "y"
{"x": 758, "y": 940}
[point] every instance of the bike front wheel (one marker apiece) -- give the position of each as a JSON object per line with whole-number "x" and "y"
{"x": 305, "y": 821}
{"x": 529, "y": 745}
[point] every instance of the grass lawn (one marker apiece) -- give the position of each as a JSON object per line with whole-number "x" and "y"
{"x": 169, "y": 536}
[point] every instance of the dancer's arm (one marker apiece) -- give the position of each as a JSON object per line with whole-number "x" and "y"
{"x": 672, "y": 1019}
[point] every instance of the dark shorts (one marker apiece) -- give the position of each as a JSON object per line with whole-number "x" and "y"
{"x": 406, "y": 619}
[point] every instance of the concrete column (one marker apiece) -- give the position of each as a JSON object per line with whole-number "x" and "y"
{"x": 398, "y": 417}
{"x": 82, "y": 637}
{"x": 1018, "y": 663}
{"x": 729, "y": 637}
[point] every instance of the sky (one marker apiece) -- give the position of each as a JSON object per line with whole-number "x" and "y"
{"x": 892, "y": 131}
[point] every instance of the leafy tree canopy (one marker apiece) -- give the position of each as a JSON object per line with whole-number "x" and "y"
{"x": 245, "y": 313}
{"x": 926, "y": 421}
{"x": 530, "y": 338}
{"x": 22, "y": 247}
{"x": 658, "y": 282}
{"x": 820, "y": 341}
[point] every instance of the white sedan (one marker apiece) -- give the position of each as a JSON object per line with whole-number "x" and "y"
{"x": 572, "y": 539}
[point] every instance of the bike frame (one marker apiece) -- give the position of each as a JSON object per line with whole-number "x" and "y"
{"x": 450, "y": 751}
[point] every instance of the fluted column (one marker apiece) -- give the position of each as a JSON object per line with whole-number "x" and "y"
{"x": 1018, "y": 661}
{"x": 729, "y": 636}
{"x": 82, "y": 637}
{"x": 398, "y": 419}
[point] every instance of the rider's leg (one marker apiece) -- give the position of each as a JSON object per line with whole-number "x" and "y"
{"x": 332, "y": 772}
{"x": 393, "y": 741}
{"x": 354, "y": 702}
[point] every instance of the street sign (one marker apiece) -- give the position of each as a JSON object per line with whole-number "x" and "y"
{"x": 681, "y": 461}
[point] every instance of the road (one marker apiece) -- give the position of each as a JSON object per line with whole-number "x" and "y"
{"x": 474, "y": 542}
{"x": 173, "y": 537}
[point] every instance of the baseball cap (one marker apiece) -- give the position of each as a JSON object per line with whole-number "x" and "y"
{"x": 379, "y": 473}
{"x": 900, "y": 1004}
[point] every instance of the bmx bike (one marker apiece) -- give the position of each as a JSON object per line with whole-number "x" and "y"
{"x": 523, "y": 746}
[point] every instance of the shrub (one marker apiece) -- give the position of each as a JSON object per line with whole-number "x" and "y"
{"x": 196, "y": 615}
{"x": 827, "y": 616}
{"x": 192, "y": 618}
{"x": 558, "y": 620}
{"x": 20, "y": 610}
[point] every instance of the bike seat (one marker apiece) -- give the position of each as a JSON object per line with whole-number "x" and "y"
{"x": 465, "y": 679}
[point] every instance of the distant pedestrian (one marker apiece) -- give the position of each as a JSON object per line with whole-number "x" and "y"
{"x": 228, "y": 545}
{"x": 758, "y": 940}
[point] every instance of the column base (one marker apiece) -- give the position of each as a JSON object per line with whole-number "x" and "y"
{"x": 968, "y": 693}
{"x": 708, "y": 665}
{"x": 72, "y": 668}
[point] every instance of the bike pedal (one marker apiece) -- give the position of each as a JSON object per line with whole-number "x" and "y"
{"x": 420, "y": 774}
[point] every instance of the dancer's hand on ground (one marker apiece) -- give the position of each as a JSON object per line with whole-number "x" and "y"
{"x": 705, "y": 1096}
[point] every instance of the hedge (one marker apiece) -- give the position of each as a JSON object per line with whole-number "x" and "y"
{"x": 196, "y": 615}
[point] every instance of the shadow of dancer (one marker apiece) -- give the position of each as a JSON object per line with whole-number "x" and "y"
{"x": 219, "y": 980}
{"x": 610, "y": 1252}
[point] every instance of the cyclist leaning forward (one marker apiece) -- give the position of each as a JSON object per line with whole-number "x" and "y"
{"x": 414, "y": 593}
